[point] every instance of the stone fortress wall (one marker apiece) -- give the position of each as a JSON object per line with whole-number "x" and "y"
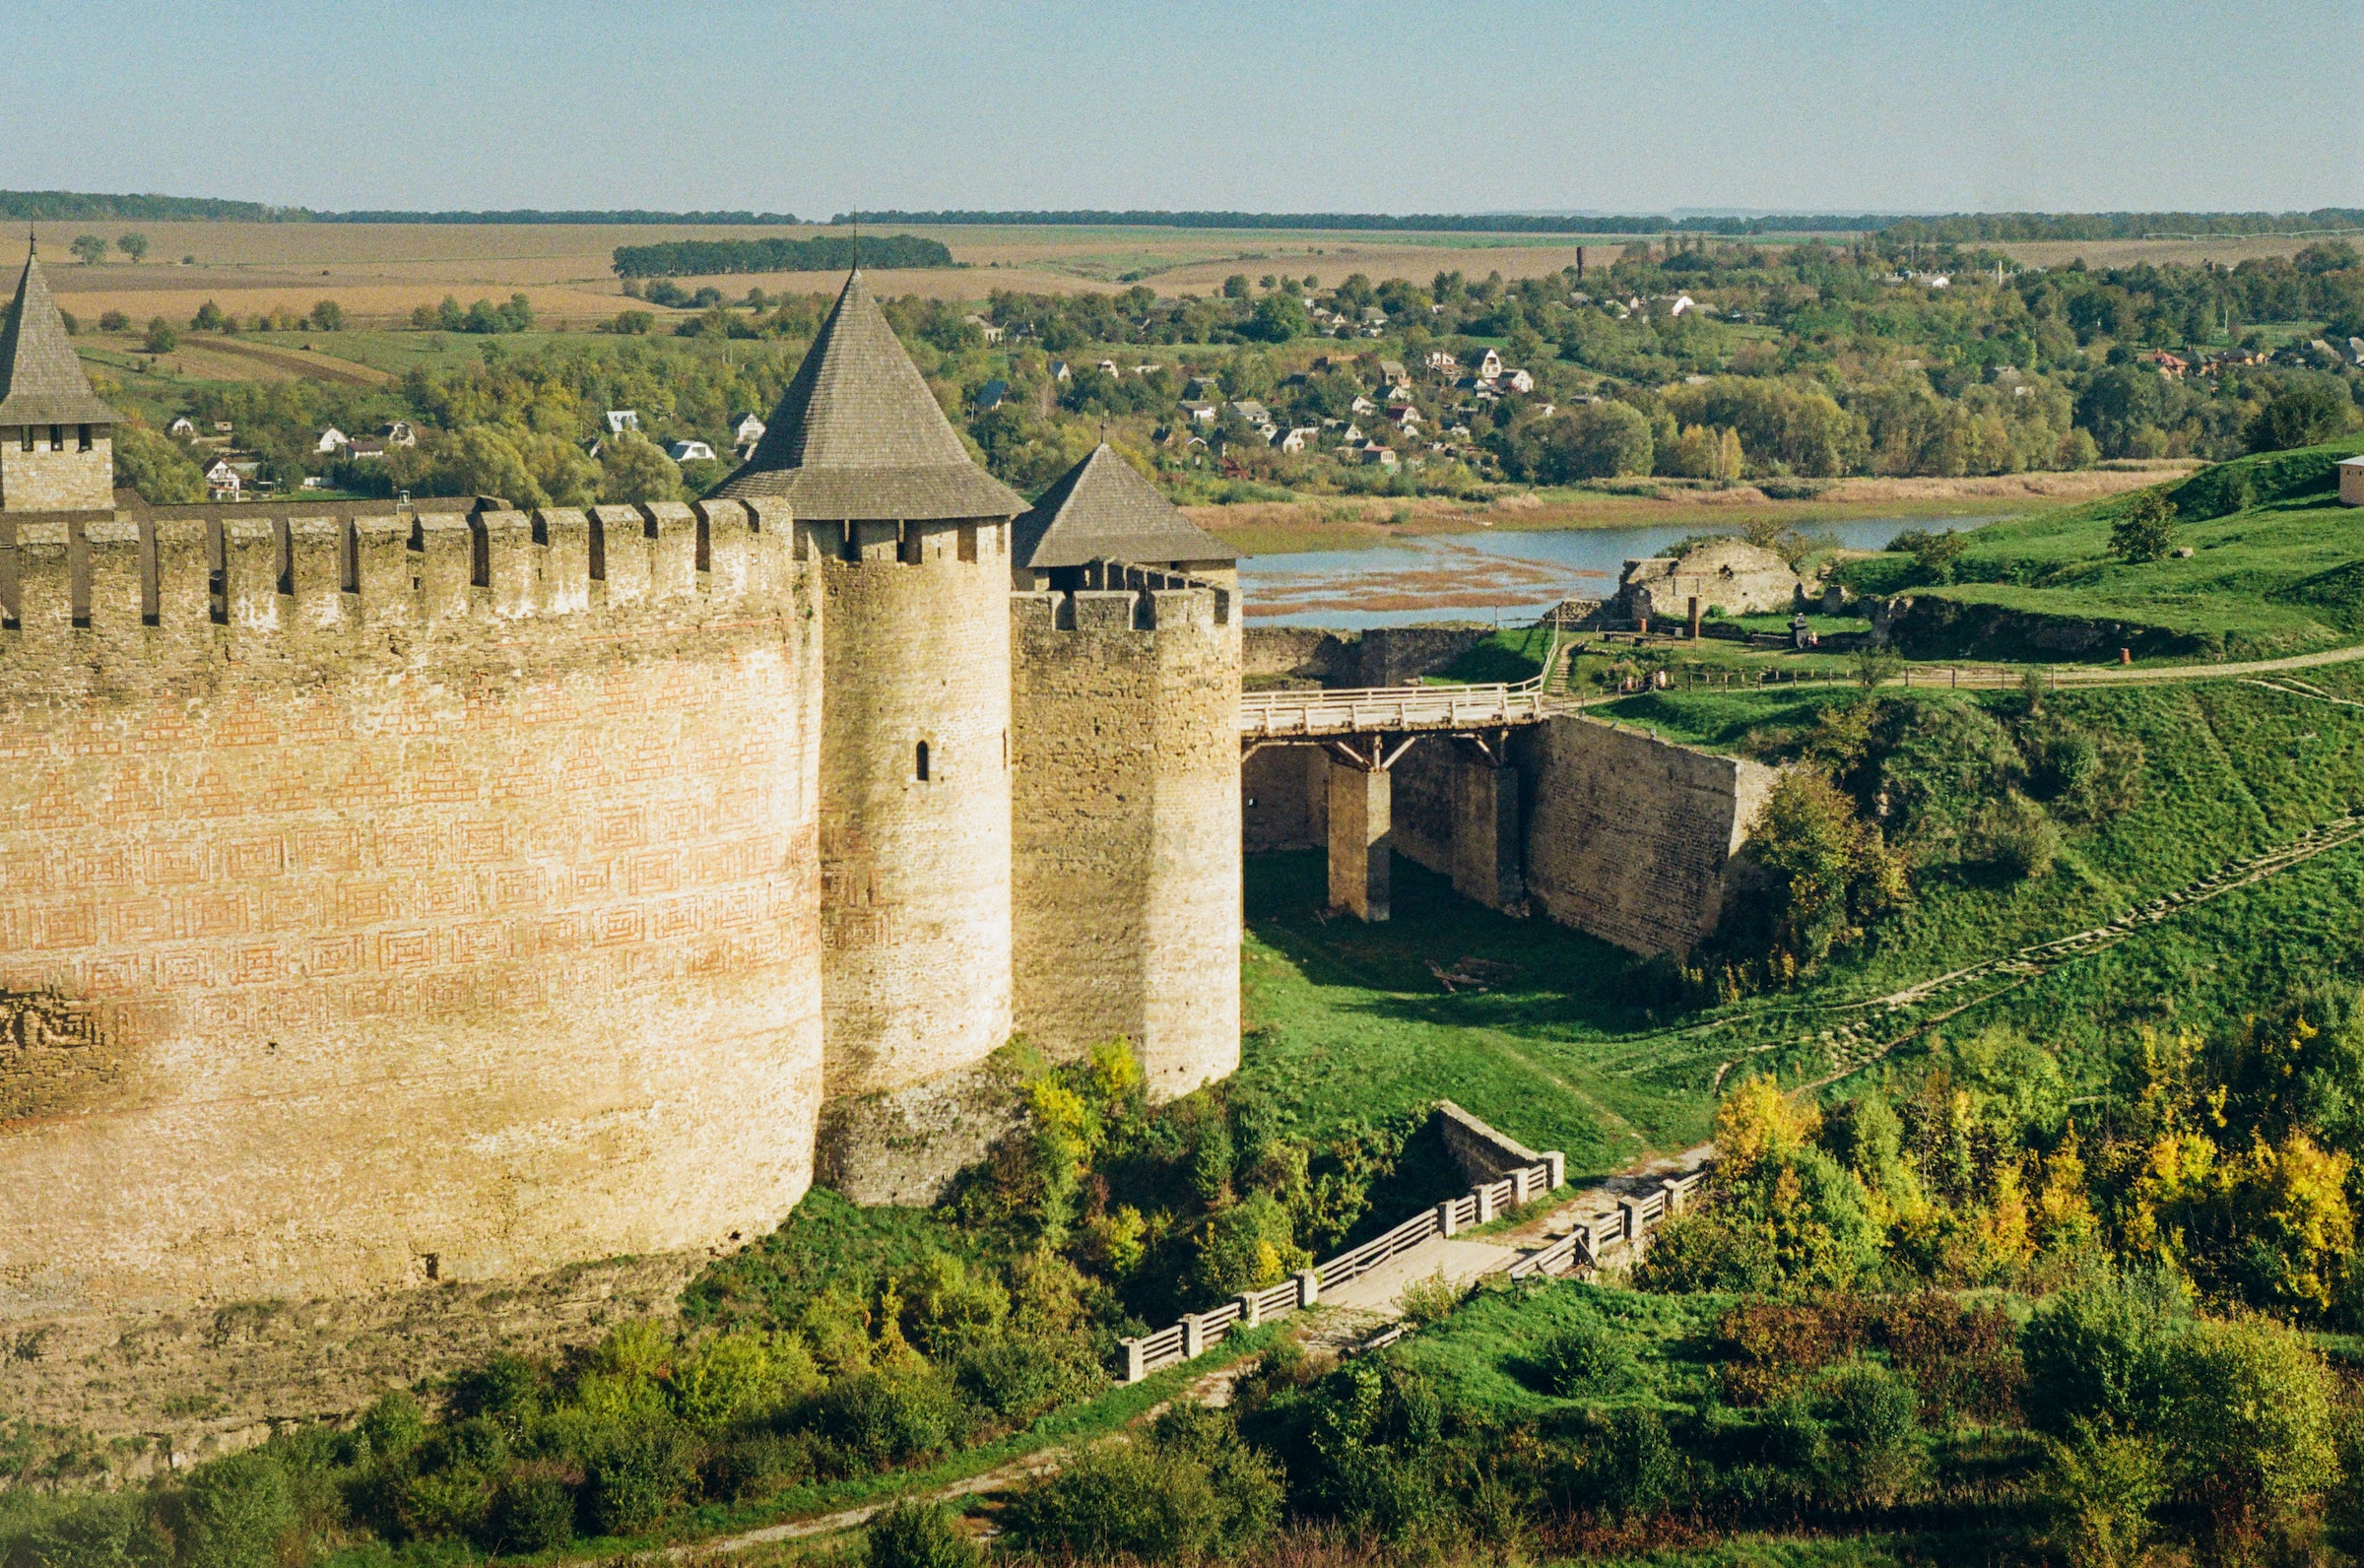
{"x": 391, "y": 895}
{"x": 1126, "y": 770}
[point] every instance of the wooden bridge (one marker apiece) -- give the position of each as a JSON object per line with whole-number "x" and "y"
{"x": 1365, "y": 731}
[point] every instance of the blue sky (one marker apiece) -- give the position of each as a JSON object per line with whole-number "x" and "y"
{"x": 1505, "y": 104}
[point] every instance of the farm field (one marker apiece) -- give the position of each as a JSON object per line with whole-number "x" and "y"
{"x": 381, "y": 272}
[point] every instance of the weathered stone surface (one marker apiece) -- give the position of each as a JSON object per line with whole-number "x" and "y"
{"x": 67, "y": 481}
{"x": 1631, "y": 838}
{"x": 1726, "y": 574}
{"x": 1126, "y": 919}
{"x": 341, "y": 960}
{"x": 905, "y": 1146}
{"x": 1361, "y": 851}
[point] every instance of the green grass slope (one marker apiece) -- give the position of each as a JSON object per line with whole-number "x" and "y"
{"x": 2274, "y": 570}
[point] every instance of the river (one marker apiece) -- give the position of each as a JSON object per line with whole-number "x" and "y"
{"x": 1509, "y": 575}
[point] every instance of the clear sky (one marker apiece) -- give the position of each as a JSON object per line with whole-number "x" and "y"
{"x": 1526, "y": 105}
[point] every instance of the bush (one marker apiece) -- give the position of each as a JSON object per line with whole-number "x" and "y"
{"x": 232, "y": 1512}
{"x": 2093, "y": 1353}
{"x": 1701, "y": 1250}
{"x": 532, "y": 1511}
{"x": 915, "y": 1533}
{"x": 1586, "y": 1356}
{"x": 1430, "y": 1300}
{"x": 2249, "y": 1419}
{"x": 878, "y": 1418}
{"x": 636, "y": 1474}
{"x": 1876, "y": 1432}
{"x": 2144, "y": 530}
{"x": 1192, "y": 1490}
{"x": 1963, "y": 1359}
{"x": 2099, "y": 1490}
{"x": 1021, "y": 1377}
{"x": 1771, "y": 1346}
{"x": 1636, "y": 1467}
{"x": 2012, "y": 837}
{"x": 102, "y": 1531}
{"x": 391, "y": 1427}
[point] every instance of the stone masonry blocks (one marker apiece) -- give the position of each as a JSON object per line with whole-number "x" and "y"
{"x": 1362, "y": 802}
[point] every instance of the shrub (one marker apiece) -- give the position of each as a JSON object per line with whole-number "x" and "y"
{"x": 1582, "y": 1357}
{"x": 1247, "y": 1246}
{"x": 1180, "y": 1496}
{"x": 916, "y": 1533}
{"x": 232, "y": 1512}
{"x": 1430, "y": 1300}
{"x": 1020, "y": 1378}
{"x": 506, "y": 1389}
{"x": 532, "y": 1511}
{"x": 1637, "y": 1468}
{"x": 100, "y": 1532}
{"x": 2098, "y": 1490}
{"x": 391, "y": 1427}
{"x": 1702, "y": 1250}
{"x": 2145, "y": 527}
{"x": 736, "y": 1375}
{"x": 1876, "y": 1432}
{"x": 757, "y": 1465}
{"x": 2014, "y": 837}
{"x": 878, "y": 1418}
{"x": 2093, "y": 1351}
{"x": 636, "y": 1474}
{"x": 1771, "y": 1346}
{"x": 1963, "y": 1359}
{"x": 2249, "y": 1419}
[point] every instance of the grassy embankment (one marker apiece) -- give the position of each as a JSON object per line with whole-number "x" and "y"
{"x": 2275, "y": 570}
{"x": 1348, "y": 1021}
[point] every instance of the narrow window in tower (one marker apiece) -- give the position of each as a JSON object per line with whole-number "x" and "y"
{"x": 968, "y": 543}
{"x": 919, "y": 766}
{"x": 85, "y": 437}
{"x": 27, "y": 437}
{"x": 57, "y": 438}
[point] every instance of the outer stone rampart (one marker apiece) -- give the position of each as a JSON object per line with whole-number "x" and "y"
{"x": 1631, "y": 838}
{"x": 398, "y": 897}
{"x": 1128, "y": 828}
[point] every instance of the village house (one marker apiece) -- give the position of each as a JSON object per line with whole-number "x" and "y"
{"x": 1515, "y": 381}
{"x": 991, "y": 395}
{"x": 1060, "y": 371}
{"x": 1486, "y": 365}
{"x": 182, "y": 427}
{"x": 1362, "y": 405}
{"x": 1383, "y": 456}
{"x": 401, "y": 433}
{"x": 1440, "y": 359}
{"x": 2171, "y": 365}
{"x": 1203, "y": 388}
{"x": 622, "y": 420}
{"x": 746, "y": 431}
{"x": 1392, "y": 374}
{"x": 687, "y": 451}
{"x": 1200, "y": 413}
{"x": 1252, "y": 410}
{"x": 223, "y": 481}
{"x": 366, "y": 450}
{"x": 985, "y": 328}
{"x": 328, "y": 440}
{"x": 1107, "y": 367}
{"x": 1294, "y": 440}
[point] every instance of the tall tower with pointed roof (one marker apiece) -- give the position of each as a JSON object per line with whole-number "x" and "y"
{"x": 913, "y": 541}
{"x": 57, "y": 438}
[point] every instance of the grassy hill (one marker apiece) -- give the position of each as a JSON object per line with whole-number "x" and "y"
{"x": 2275, "y": 570}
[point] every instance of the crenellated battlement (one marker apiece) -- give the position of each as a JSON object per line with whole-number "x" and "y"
{"x": 1102, "y": 611}
{"x": 160, "y": 580}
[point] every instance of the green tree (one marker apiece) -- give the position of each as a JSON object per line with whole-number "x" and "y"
{"x": 1278, "y": 317}
{"x": 2304, "y": 413}
{"x": 918, "y": 1534}
{"x": 133, "y": 244}
{"x": 1237, "y": 286}
{"x": 1591, "y": 440}
{"x": 484, "y": 461}
{"x": 2249, "y": 1419}
{"x": 233, "y": 1512}
{"x": 89, "y": 249}
{"x": 328, "y": 316}
{"x": 635, "y": 470}
{"x": 209, "y": 318}
{"x": 2144, "y": 528}
{"x": 162, "y": 337}
{"x": 160, "y": 470}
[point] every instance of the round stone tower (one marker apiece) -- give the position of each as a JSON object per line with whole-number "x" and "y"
{"x": 914, "y": 544}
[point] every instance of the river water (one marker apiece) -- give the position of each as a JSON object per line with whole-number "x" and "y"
{"x": 1511, "y": 575}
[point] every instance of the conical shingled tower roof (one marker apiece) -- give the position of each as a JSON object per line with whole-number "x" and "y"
{"x": 859, "y": 436}
{"x": 1101, "y": 509}
{"x": 41, "y": 376}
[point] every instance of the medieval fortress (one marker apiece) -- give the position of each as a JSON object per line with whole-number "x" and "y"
{"x": 420, "y": 892}
{"x": 393, "y": 892}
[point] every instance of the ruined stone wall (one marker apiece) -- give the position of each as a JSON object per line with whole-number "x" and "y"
{"x": 44, "y": 481}
{"x": 1631, "y": 838}
{"x": 390, "y": 898}
{"x": 1128, "y": 823}
{"x": 915, "y": 870}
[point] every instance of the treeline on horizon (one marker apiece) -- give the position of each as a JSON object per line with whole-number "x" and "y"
{"x": 701, "y": 258}
{"x": 1978, "y": 228}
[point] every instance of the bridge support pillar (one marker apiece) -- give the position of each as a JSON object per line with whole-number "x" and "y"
{"x": 1362, "y": 855}
{"x": 1487, "y": 863}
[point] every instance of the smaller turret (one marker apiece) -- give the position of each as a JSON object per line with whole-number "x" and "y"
{"x": 57, "y": 438}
